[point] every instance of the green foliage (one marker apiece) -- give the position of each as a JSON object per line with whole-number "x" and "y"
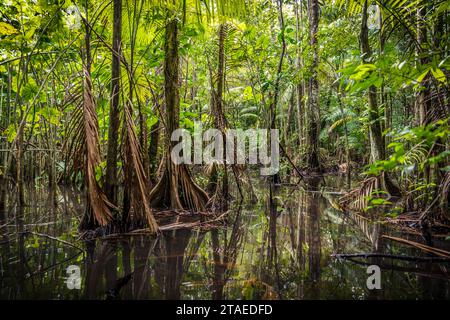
{"x": 411, "y": 147}
{"x": 42, "y": 49}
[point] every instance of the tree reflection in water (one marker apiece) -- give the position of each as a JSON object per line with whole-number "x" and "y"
{"x": 277, "y": 248}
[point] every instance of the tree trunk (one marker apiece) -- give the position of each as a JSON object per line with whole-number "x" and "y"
{"x": 347, "y": 145}
{"x": 98, "y": 207}
{"x": 299, "y": 87}
{"x": 20, "y": 167}
{"x": 377, "y": 151}
{"x": 153, "y": 151}
{"x": 287, "y": 126}
{"x": 421, "y": 98}
{"x": 313, "y": 129}
{"x": 175, "y": 190}
{"x": 113, "y": 130}
{"x": 274, "y": 103}
{"x": 376, "y": 140}
{"x": 218, "y": 113}
{"x": 135, "y": 194}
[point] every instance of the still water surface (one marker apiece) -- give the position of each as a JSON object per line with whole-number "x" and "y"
{"x": 262, "y": 251}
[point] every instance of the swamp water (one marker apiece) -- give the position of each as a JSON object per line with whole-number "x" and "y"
{"x": 261, "y": 251}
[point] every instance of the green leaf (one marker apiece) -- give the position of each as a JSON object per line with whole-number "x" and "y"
{"x": 439, "y": 75}
{"x": 11, "y": 132}
{"x": 379, "y": 202}
{"x": 7, "y": 29}
{"x": 422, "y": 76}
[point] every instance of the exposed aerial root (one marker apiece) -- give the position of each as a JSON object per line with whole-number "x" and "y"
{"x": 176, "y": 190}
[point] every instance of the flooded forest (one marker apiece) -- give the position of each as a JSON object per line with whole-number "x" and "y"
{"x": 224, "y": 149}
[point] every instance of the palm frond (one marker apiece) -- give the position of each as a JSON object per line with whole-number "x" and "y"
{"x": 98, "y": 201}
{"x": 140, "y": 198}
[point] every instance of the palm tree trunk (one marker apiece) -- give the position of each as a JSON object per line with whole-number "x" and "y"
{"x": 113, "y": 130}
{"x": 313, "y": 129}
{"x": 300, "y": 85}
{"x": 274, "y": 103}
{"x": 153, "y": 152}
{"x": 98, "y": 208}
{"x": 376, "y": 140}
{"x": 176, "y": 189}
{"x": 377, "y": 151}
{"x": 220, "y": 121}
{"x": 421, "y": 98}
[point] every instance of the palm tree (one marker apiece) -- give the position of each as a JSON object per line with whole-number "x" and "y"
{"x": 377, "y": 149}
{"x": 114, "y": 113}
{"x": 98, "y": 209}
{"x": 176, "y": 188}
{"x": 313, "y": 128}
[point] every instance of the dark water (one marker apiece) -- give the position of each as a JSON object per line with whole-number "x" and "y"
{"x": 279, "y": 250}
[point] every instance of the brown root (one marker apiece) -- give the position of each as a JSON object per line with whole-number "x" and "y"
{"x": 176, "y": 190}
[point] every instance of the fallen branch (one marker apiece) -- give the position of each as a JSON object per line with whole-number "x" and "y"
{"x": 171, "y": 226}
{"x": 290, "y": 161}
{"x": 389, "y": 256}
{"x": 436, "y": 251}
{"x": 424, "y": 272}
{"x": 53, "y": 238}
{"x": 53, "y": 265}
